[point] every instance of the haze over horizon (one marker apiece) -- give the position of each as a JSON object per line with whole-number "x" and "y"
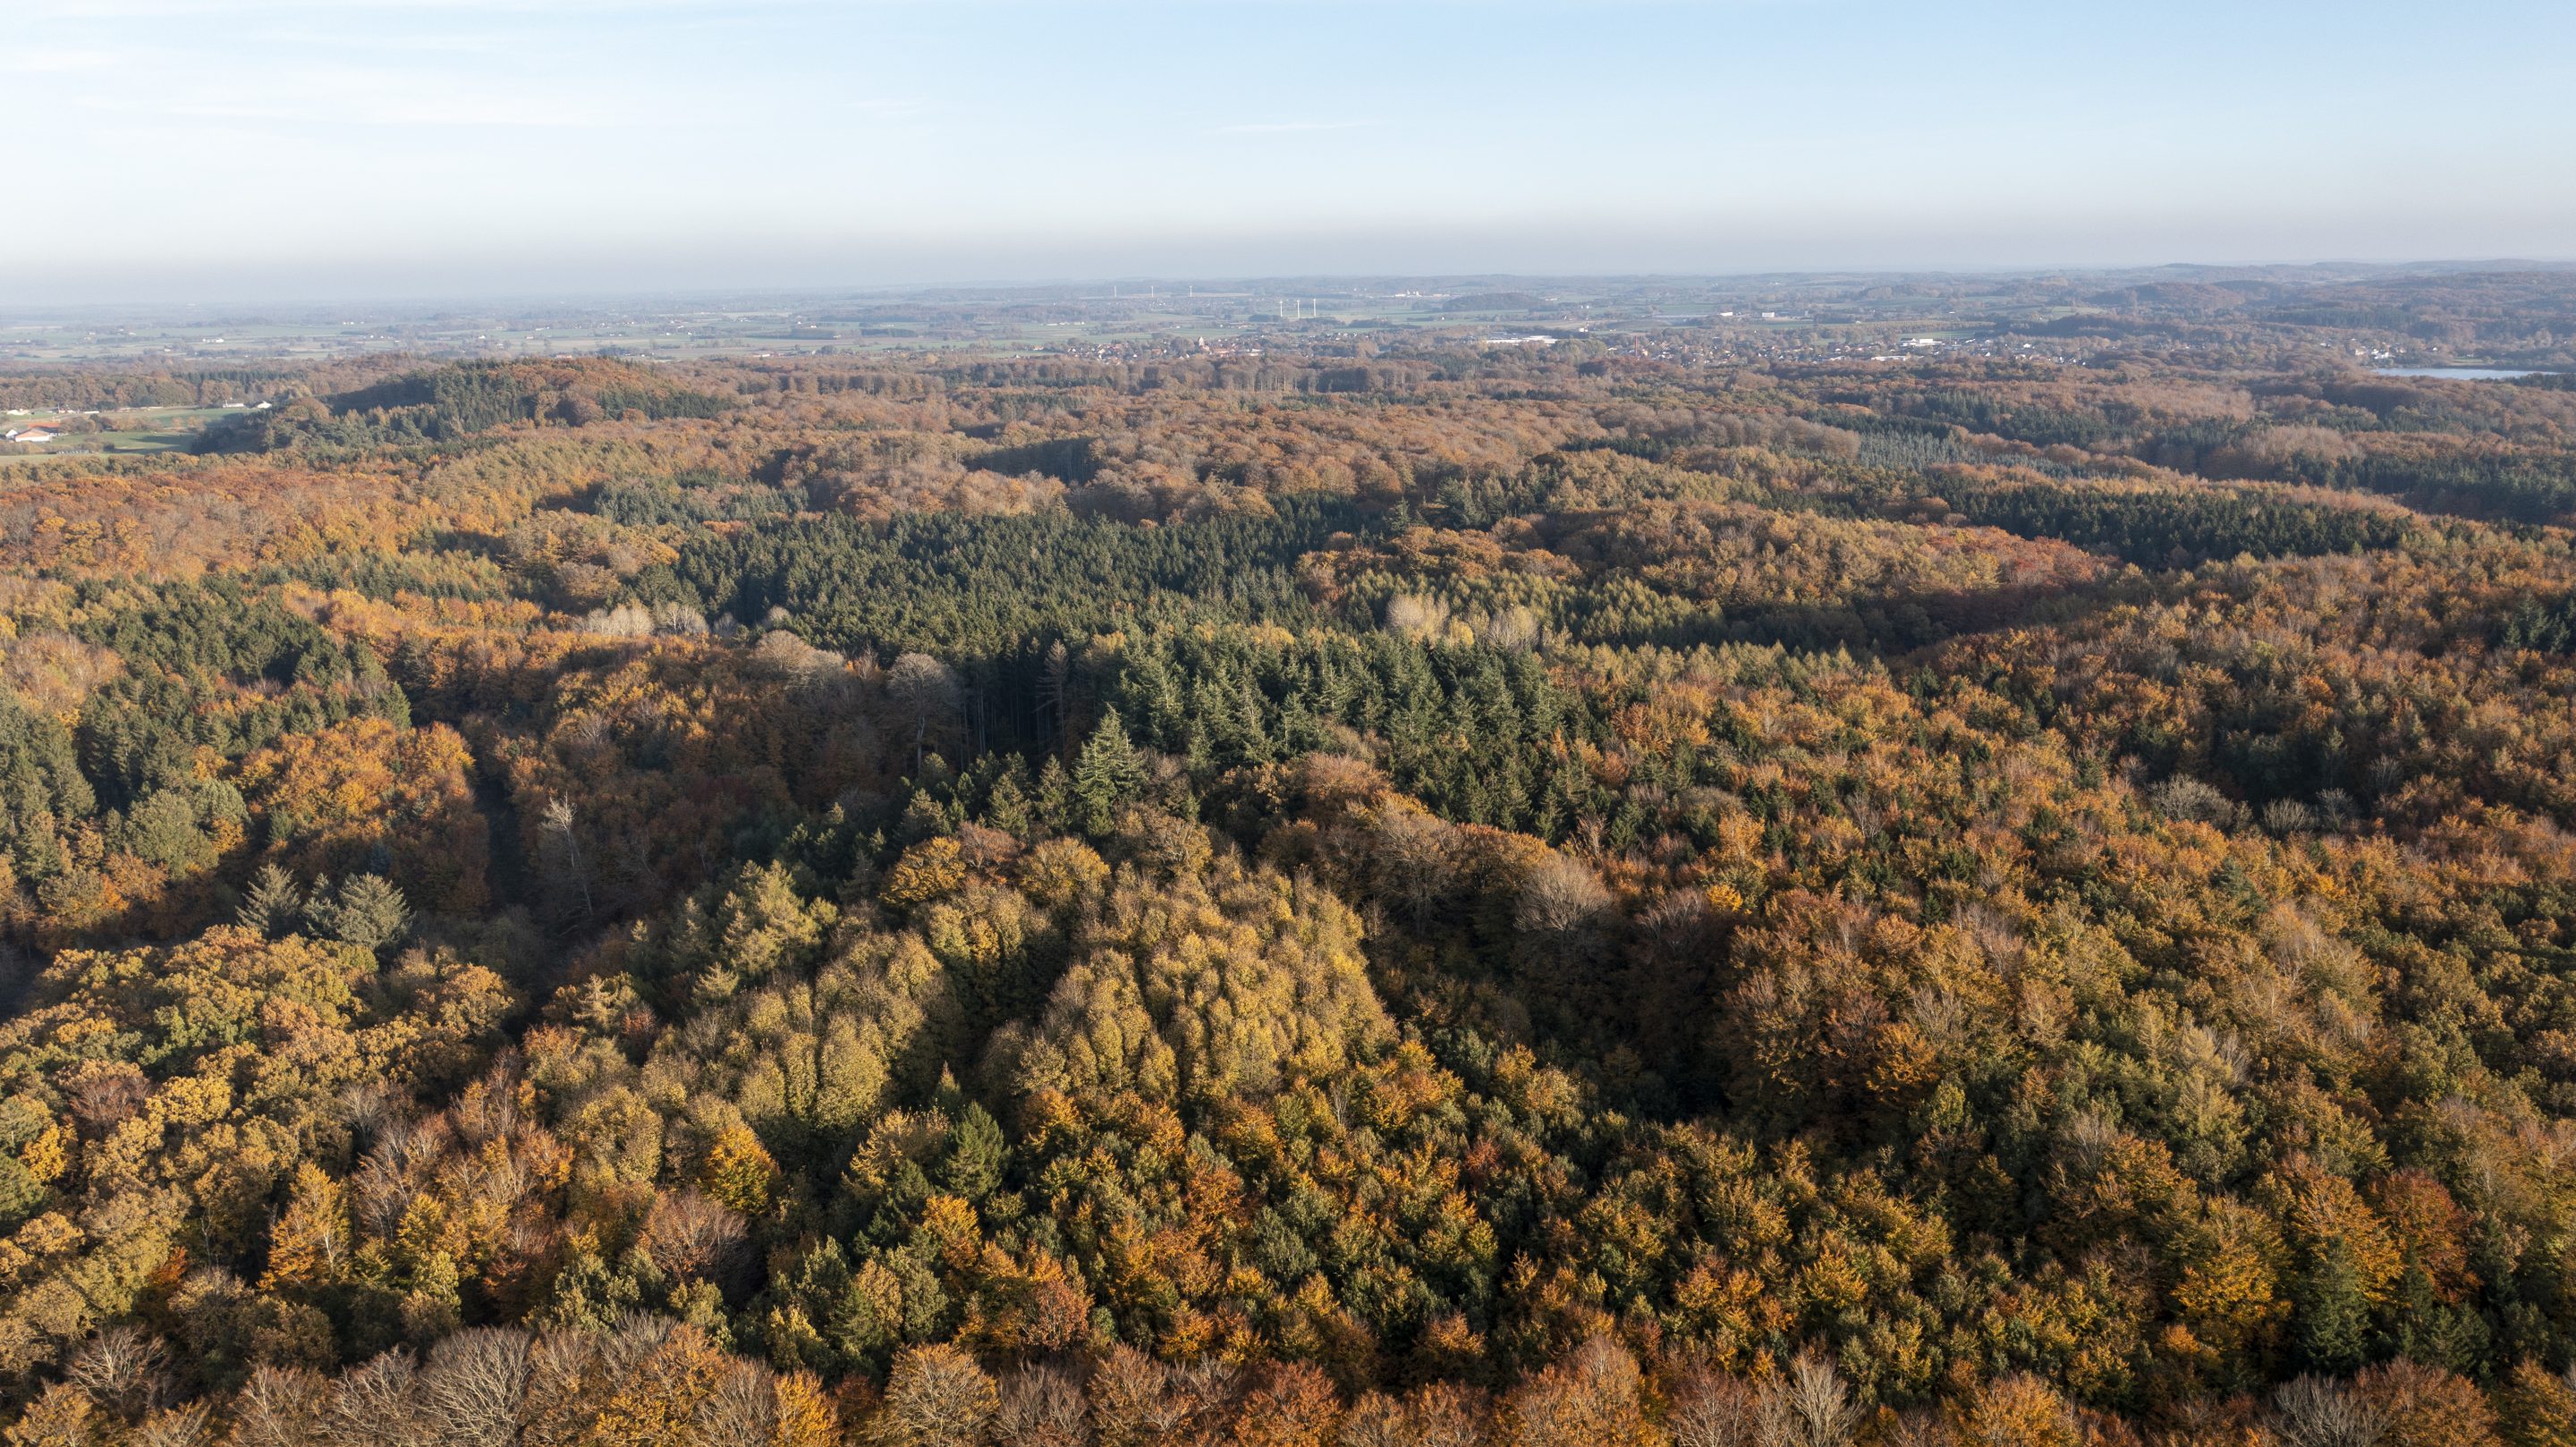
{"x": 184, "y": 150}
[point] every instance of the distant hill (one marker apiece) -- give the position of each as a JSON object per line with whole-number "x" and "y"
{"x": 447, "y": 403}
{"x": 1492, "y": 301}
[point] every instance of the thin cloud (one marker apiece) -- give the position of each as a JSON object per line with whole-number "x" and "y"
{"x": 401, "y": 113}
{"x": 1289, "y": 128}
{"x": 40, "y": 61}
{"x": 347, "y": 96}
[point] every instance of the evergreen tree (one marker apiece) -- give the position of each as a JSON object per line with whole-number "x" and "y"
{"x": 2334, "y": 1314}
{"x": 977, "y": 1151}
{"x": 1109, "y": 773}
{"x": 274, "y": 906}
{"x": 1055, "y": 808}
{"x": 368, "y": 911}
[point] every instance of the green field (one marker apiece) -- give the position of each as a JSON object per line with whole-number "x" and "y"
{"x": 129, "y": 430}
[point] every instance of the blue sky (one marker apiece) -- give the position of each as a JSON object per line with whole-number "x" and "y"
{"x": 190, "y": 149}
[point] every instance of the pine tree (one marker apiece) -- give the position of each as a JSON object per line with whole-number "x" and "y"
{"x": 1007, "y": 806}
{"x": 1109, "y": 773}
{"x": 274, "y": 905}
{"x": 1055, "y": 690}
{"x": 977, "y": 1151}
{"x": 368, "y": 911}
{"x": 2334, "y": 1314}
{"x": 1055, "y": 797}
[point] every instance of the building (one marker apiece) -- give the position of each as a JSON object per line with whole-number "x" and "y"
{"x": 35, "y": 432}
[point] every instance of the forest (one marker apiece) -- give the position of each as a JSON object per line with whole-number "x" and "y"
{"x": 1371, "y": 896}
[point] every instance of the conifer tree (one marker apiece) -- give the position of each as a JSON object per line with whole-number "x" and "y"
{"x": 1055, "y": 806}
{"x": 274, "y": 905}
{"x": 369, "y": 911}
{"x": 1109, "y": 773}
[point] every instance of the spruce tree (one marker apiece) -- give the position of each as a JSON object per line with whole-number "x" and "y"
{"x": 977, "y": 1152}
{"x": 2333, "y": 1317}
{"x": 274, "y": 905}
{"x": 1055, "y": 806}
{"x": 1109, "y": 773}
{"x": 368, "y": 911}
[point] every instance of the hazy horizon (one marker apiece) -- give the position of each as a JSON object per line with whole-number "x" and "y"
{"x": 271, "y": 150}
{"x": 989, "y": 289}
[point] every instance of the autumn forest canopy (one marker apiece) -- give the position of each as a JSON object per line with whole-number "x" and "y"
{"x": 1354, "y": 893}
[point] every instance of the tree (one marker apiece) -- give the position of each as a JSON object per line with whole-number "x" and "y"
{"x": 1108, "y": 773}
{"x": 366, "y": 911}
{"x": 278, "y": 1407}
{"x": 1224, "y": 980}
{"x": 1042, "y": 1406}
{"x": 2016, "y": 1411}
{"x": 936, "y": 1397}
{"x": 2314, "y": 1412}
{"x": 63, "y": 1416}
{"x": 925, "y": 689}
{"x": 123, "y": 1369}
{"x": 1596, "y": 1396}
{"x": 374, "y": 1402}
{"x": 928, "y": 871}
{"x": 557, "y": 823}
{"x": 739, "y": 1171}
{"x": 2538, "y": 1407}
{"x": 475, "y": 1384}
{"x": 310, "y": 1246}
{"x": 273, "y": 905}
{"x": 1809, "y": 1405}
{"x": 1712, "y": 1409}
{"x": 2425, "y": 1406}
{"x": 1295, "y": 1406}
